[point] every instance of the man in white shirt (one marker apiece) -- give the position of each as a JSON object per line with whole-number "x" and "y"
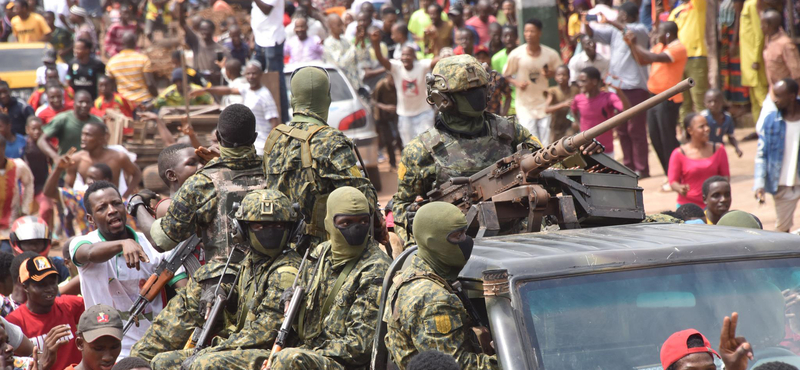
{"x": 114, "y": 261}
{"x": 61, "y": 10}
{"x": 256, "y": 97}
{"x": 266, "y": 19}
{"x": 777, "y": 169}
{"x": 528, "y": 69}
{"x": 368, "y": 9}
{"x": 587, "y": 58}
{"x": 414, "y": 114}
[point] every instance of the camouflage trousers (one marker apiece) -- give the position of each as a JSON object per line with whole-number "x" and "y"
{"x": 229, "y": 360}
{"x": 302, "y": 359}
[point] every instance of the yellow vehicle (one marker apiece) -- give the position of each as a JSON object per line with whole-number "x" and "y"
{"x": 18, "y": 64}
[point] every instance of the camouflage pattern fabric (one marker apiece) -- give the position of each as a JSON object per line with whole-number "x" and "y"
{"x": 194, "y": 207}
{"x": 246, "y": 335}
{"x": 417, "y": 171}
{"x": 660, "y": 217}
{"x": 426, "y": 316}
{"x": 266, "y": 206}
{"x": 459, "y": 73}
{"x": 334, "y": 166}
{"x": 343, "y": 338}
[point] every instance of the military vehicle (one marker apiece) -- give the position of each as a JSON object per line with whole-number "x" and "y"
{"x": 608, "y": 297}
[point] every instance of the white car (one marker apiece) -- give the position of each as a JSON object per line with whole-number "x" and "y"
{"x": 349, "y": 113}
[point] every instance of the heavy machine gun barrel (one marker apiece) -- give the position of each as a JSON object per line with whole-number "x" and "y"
{"x": 539, "y": 161}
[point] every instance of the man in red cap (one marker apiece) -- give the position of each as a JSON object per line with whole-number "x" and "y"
{"x": 688, "y": 349}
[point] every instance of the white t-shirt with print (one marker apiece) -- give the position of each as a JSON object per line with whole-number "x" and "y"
{"x": 531, "y": 102}
{"x": 263, "y": 106}
{"x": 410, "y": 85}
{"x": 114, "y": 284}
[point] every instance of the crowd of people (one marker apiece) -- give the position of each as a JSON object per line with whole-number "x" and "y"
{"x": 441, "y": 79}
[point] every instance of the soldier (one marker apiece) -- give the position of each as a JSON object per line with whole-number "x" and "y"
{"x": 307, "y": 159}
{"x": 268, "y": 220}
{"x": 204, "y": 200}
{"x": 423, "y": 312}
{"x": 337, "y": 322}
{"x": 464, "y": 140}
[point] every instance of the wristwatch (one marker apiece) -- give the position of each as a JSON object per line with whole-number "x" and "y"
{"x": 134, "y": 203}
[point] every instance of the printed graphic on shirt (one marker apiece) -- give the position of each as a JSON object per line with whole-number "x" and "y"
{"x": 410, "y": 87}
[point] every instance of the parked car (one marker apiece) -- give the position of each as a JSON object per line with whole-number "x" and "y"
{"x": 349, "y": 113}
{"x": 608, "y": 297}
{"x": 18, "y": 64}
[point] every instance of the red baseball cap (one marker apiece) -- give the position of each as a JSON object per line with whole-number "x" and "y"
{"x": 676, "y": 348}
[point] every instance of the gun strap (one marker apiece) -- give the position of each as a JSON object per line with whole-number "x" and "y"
{"x": 326, "y": 306}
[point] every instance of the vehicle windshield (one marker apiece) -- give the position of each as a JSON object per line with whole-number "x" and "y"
{"x": 619, "y": 320}
{"x": 339, "y": 89}
{"x": 12, "y": 60}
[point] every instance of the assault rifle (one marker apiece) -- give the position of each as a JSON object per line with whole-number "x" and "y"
{"x": 160, "y": 277}
{"x": 521, "y": 186}
{"x": 298, "y": 295}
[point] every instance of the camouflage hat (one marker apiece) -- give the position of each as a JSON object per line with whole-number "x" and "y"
{"x": 458, "y": 73}
{"x": 266, "y": 205}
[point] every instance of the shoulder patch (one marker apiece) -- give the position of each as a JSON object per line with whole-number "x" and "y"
{"x": 401, "y": 170}
{"x": 442, "y": 323}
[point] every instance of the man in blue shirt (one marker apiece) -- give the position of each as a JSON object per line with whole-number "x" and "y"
{"x": 776, "y": 170}
{"x": 15, "y": 143}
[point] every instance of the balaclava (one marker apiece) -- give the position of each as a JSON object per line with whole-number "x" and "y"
{"x": 311, "y": 95}
{"x": 433, "y": 223}
{"x": 347, "y": 243}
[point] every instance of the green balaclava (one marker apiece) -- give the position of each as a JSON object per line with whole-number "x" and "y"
{"x": 465, "y": 81}
{"x": 273, "y": 214}
{"x": 433, "y": 223}
{"x": 311, "y": 95}
{"x": 349, "y": 242}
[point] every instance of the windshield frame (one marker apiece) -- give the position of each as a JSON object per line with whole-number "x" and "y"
{"x": 524, "y": 321}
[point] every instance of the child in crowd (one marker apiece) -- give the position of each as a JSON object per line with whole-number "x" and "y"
{"x": 99, "y": 338}
{"x": 384, "y": 99}
{"x": 39, "y": 164}
{"x": 113, "y": 40}
{"x": 109, "y": 98}
{"x": 500, "y": 101}
{"x": 46, "y": 315}
{"x": 233, "y": 75}
{"x": 593, "y": 106}
{"x": 692, "y": 214}
{"x": 719, "y": 122}
{"x": 559, "y": 100}
{"x": 15, "y": 143}
{"x": 18, "y": 294}
{"x": 16, "y": 198}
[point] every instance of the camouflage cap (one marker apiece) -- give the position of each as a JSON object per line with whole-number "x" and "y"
{"x": 459, "y": 73}
{"x": 266, "y": 205}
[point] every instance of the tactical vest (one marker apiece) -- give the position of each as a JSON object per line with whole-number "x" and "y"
{"x": 457, "y": 157}
{"x": 231, "y": 187}
{"x": 315, "y": 226}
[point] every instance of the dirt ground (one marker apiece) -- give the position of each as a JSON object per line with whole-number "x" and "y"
{"x": 656, "y": 201}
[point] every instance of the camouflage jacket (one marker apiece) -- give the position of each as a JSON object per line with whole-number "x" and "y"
{"x": 194, "y": 206}
{"x": 346, "y": 333}
{"x": 255, "y": 323}
{"x": 333, "y": 165}
{"x": 418, "y": 168}
{"x": 426, "y": 316}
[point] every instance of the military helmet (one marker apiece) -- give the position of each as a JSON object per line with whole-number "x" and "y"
{"x": 266, "y": 205}
{"x": 458, "y": 73}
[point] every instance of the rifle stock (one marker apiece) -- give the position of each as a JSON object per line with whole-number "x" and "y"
{"x": 162, "y": 275}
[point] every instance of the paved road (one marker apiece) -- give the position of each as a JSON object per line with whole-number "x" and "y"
{"x": 656, "y": 201}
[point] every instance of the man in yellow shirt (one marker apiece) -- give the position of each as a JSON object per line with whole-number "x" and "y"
{"x": 691, "y": 20}
{"x": 751, "y": 45}
{"x": 27, "y": 26}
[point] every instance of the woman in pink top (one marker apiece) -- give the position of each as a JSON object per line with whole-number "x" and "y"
{"x": 694, "y": 162}
{"x": 593, "y": 106}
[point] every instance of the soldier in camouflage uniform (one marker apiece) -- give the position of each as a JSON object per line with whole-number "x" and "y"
{"x": 422, "y": 311}
{"x": 201, "y": 204}
{"x": 464, "y": 140}
{"x": 246, "y": 333}
{"x": 306, "y": 159}
{"x": 337, "y": 322}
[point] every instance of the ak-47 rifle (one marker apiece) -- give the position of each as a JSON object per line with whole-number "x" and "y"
{"x": 201, "y": 337}
{"x": 516, "y": 187}
{"x": 160, "y": 277}
{"x": 298, "y": 294}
